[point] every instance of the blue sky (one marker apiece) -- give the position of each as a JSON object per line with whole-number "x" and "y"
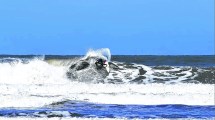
{"x": 67, "y": 27}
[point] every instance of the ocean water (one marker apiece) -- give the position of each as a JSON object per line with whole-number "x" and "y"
{"x": 140, "y": 87}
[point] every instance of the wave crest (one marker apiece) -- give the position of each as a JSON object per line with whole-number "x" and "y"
{"x": 104, "y": 53}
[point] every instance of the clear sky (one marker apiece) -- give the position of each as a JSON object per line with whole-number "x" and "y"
{"x": 67, "y": 27}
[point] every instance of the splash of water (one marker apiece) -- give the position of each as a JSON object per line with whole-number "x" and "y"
{"x": 104, "y": 53}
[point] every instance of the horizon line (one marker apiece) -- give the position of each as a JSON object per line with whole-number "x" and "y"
{"x": 111, "y": 55}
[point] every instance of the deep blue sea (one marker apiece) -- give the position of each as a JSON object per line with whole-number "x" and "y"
{"x": 135, "y": 87}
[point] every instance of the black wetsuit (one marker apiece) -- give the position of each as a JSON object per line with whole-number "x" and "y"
{"x": 100, "y": 63}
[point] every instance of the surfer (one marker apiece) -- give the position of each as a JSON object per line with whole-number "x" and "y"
{"x": 100, "y": 63}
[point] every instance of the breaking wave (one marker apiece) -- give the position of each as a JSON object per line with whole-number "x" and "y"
{"x": 38, "y": 82}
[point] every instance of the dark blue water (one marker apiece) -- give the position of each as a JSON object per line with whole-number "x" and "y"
{"x": 171, "y": 60}
{"x": 89, "y": 110}
{"x": 150, "y": 60}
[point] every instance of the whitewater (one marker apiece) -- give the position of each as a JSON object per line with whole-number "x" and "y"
{"x": 35, "y": 84}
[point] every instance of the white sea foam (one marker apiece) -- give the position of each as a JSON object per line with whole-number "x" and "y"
{"x": 35, "y": 72}
{"x": 22, "y": 95}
